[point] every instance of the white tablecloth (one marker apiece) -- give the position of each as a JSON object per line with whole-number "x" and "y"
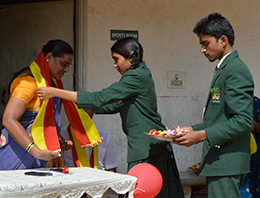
{"x": 92, "y": 181}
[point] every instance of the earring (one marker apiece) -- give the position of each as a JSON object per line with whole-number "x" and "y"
{"x": 47, "y": 60}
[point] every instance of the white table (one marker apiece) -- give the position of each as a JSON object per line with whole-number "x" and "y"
{"x": 92, "y": 181}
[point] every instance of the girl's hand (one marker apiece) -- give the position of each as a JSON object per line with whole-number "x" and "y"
{"x": 45, "y": 92}
{"x": 50, "y": 92}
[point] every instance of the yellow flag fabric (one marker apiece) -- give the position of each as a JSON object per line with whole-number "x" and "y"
{"x": 253, "y": 146}
{"x": 80, "y": 156}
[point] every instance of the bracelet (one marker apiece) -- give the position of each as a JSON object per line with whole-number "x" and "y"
{"x": 29, "y": 146}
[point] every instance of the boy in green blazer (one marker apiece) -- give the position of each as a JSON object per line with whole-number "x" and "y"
{"x": 228, "y": 113}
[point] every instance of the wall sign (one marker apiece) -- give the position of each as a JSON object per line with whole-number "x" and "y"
{"x": 118, "y": 34}
{"x": 176, "y": 80}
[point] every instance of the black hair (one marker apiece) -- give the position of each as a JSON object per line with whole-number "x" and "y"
{"x": 57, "y": 47}
{"x": 215, "y": 25}
{"x": 129, "y": 47}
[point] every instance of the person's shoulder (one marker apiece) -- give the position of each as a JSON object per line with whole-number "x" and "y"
{"x": 23, "y": 82}
{"x": 25, "y": 78}
{"x": 233, "y": 57}
{"x": 236, "y": 68}
{"x": 237, "y": 65}
{"x": 107, "y": 138}
{"x": 103, "y": 132}
{"x": 234, "y": 61}
{"x": 143, "y": 68}
{"x": 141, "y": 72}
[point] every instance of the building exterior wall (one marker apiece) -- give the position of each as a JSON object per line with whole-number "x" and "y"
{"x": 165, "y": 31}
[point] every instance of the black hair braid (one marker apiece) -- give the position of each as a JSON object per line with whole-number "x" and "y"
{"x": 136, "y": 59}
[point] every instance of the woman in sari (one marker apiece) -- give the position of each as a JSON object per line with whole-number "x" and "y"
{"x": 17, "y": 148}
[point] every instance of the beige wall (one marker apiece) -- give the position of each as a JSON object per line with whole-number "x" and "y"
{"x": 165, "y": 31}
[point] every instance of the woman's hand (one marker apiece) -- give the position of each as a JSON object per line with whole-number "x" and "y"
{"x": 46, "y": 155}
{"x": 46, "y": 92}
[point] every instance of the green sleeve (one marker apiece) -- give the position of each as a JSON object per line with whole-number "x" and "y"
{"x": 129, "y": 85}
{"x": 198, "y": 127}
{"x": 108, "y": 109}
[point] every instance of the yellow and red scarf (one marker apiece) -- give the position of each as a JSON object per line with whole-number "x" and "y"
{"x": 80, "y": 156}
{"x": 44, "y": 127}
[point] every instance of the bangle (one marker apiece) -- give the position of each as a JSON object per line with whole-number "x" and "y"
{"x": 29, "y": 146}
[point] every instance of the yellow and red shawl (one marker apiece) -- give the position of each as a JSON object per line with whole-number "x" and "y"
{"x": 44, "y": 127}
{"x": 80, "y": 156}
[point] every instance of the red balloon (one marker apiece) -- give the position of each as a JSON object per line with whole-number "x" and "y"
{"x": 149, "y": 180}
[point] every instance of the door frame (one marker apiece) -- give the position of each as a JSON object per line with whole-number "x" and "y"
{"x": 80, "y": 60}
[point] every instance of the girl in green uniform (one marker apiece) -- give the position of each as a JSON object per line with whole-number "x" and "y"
{"x": 134, "y": 97}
